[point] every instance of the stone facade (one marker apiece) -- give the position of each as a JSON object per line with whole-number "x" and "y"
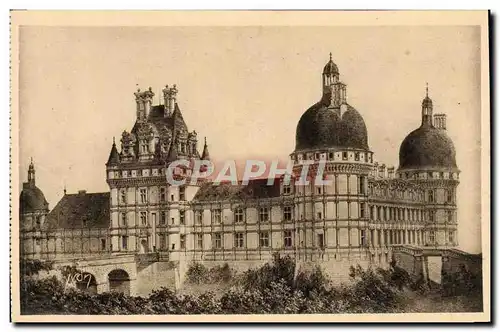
{"x": 365, "y": 209}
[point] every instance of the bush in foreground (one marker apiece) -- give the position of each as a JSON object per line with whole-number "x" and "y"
{"x": 274, "y": 288}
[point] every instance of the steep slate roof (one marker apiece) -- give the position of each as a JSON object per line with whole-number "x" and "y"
{"x": 81, "y": 210}
{"x": 257, "y": 188}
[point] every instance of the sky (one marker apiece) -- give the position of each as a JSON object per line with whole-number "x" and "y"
{"x": 244, "y": 88}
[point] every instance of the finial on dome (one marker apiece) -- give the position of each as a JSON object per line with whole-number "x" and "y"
{"x": 114, "y": 140}
{"x": 427, "y": 89}
{"x": 330, "y": 56}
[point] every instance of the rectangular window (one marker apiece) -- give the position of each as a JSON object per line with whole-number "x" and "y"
{"x": 163, "y": 242}
{"x": 238, "y": 215}
{"x": 123, "y": 196}
{"x": 103, "y": 244}
{"x": 153, "y": 218}
{"x": 362, "y": 210}
{"x": 182, "y": 193}
{"x": 431, "y": 196}
{"x": 318, "y": 190}
{"x": 163, "y": 217}
{"x": 320, "y": 240}
{"x": 182, "y": 217}
{"x": 379, "y": 237}
{"x": 124, "y": 242}
{"x": 344, "y": 155}
{"x": 451, "y": 237}
{"x": 163, "y": 194}
{"x": 287, "y": 213}
{"x": 356, "y": 156}
{"x": 449, "y": 196}
{"x": 124, "y": 219}
{"x": 172, "y": 221}
{"x": 183, "y": 241}
{"x": 172, "y": 197}
{"x": 199, "y": 241}
{"x": 361, "y": 185}
{"x": 330, "y": 156}
{"x": 288, "y": 240}
{"x": 239, "y": 240}
{"x": 264, "y": 239}
{"x": 216, "y": 216}
{"x": 198, "y": 217}
{"x": 287, "y": 190}
{"x": 450, "y": 216}
{"x": 431, "y": 215}
{"x": 264, "y": 214}
{"x": 319, "y": 215}
{"x": 432, "y": 237}
{"x": 217, "y": 244}
{"x": 362, "y": 237}
{"x": 143, "y": 195}
{"x": 143, "y": 216}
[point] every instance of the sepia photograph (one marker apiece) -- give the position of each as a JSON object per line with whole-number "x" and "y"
{"x": 250, "y": 166}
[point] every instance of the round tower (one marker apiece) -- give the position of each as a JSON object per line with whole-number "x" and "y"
{"x": 427, "y": 157}
{"x": 332, "y": 140}
{"x": 33, "y": 210}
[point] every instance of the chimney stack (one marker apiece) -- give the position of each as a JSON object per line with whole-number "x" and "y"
{"x": 144, "y": 101}
{"x": 390, "y": 172}
{"x": 440, "y": 121}
{"x": 381, "y": 171}
{"x": 169, "y": 98}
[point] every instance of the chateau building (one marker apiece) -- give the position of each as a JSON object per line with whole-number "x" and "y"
{"x": 363, "y": 210}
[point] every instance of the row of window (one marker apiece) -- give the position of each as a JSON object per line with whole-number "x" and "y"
{"x": 182, "y": 147}
{"x": 385, "y": 213}
{"x": 143, "y": 195}
{"x": 382, "y": 213}
{"x": 218, "y": 240}
{"x": 429, "y": 175}
{"x": 62, "y": 245}
{"x": 147, "y": 172}
{"x": 390, "y": 237}
{"x": 216, "y": 216}
{"x": 418, "y": 195}
{"x": 319, "y": 190}
{"x": 331, "y": 156}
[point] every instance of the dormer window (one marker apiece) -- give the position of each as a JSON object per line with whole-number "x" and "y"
{"x": 344, "y": 155}
{"x": 144, "y": 146}
{"x": 287, "y": 189}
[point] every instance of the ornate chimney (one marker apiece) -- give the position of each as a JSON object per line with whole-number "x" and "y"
{"x": 440, "y": 121}
{"x": 169, "y": 98}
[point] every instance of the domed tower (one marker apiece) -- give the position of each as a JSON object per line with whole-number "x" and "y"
{"x": 331, "y": 137}
{"x": 33, "y": 209}
{"x": 427, "y": 157}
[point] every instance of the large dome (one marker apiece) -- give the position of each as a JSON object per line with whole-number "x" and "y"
{"x": 32, "y": 199}
{"x": 324, "y": 127}
{"x": 427, "y": 148}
